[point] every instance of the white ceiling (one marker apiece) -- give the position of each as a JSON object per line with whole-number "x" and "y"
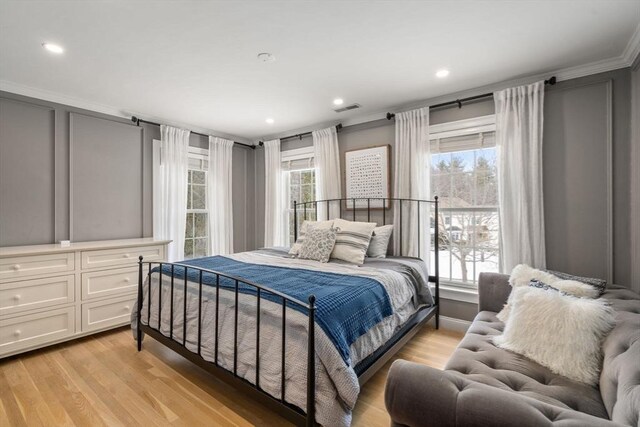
{"x": 194, "y": 62}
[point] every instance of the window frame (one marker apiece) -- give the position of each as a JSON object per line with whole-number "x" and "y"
{"x": 297, "y": 154}
{"x": 202, "y": 155}
{"x": 453, "y": 289}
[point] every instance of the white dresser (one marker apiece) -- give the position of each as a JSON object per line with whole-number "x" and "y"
{"x": 50, "y": 293}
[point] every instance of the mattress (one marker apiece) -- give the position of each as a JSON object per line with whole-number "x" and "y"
{"x": 403, "y": 281}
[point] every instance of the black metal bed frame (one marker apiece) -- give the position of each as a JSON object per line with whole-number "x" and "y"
{"x": 365, "y": 369}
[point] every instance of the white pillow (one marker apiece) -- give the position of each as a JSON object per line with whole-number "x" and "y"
{"x": 380, "y": 241}
{"x": 295, "y": 249}
{"x": 352, "y": 240}
{"x": 522, "y": 275}
{"x": 559, "y": 331}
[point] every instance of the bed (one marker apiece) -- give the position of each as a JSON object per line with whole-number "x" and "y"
{"x": 301, "y": 336}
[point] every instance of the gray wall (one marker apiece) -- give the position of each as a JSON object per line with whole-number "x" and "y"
{"x": 68, "y": 173}
{"x": 634, "y": 212}
{"x": 581, "y": 116}
{"x": 587, "y": 176}
{"x": 27, "y": 174}
{"x": 110, "y": 158}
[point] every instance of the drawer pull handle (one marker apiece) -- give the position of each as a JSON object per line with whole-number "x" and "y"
{"x": 16, "y": 267}
{"x": 127, "y": 280}
{"x": 17, "y": 332}
{"x": 127, "y": 308}
{"x": 126, "y": 256}
{"x": 17, "y": 297}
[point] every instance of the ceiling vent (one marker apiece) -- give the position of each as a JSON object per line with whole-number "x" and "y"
{"x": 346, "y": 108}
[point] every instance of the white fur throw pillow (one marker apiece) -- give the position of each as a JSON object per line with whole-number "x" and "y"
{"x": 522, "y": 275}
{"x": 295, "y": 249}
{"x": 352, "y": 240}
{"x": 559, "y": 331}
{"x": 380, "y": 241}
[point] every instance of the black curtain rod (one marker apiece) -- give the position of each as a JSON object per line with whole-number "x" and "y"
{"x": 551, "y": 81}
{"x": 300, "y": 135}
{"x": 137, "y": 121}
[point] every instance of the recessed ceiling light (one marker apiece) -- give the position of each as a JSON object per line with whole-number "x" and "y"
{"x": 338, "y": 101}
{"x": 442, "y": 73}
{"x": 266, "y": 57}
{"x": 270, "y": 121}
{"x": 54, "y": 48}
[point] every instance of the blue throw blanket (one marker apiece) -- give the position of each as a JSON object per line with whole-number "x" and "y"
{"x": 346, "y": 306}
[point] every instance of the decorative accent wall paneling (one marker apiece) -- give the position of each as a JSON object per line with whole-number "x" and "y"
{"x": 634, "y": 212}
{"x": 578, "y": 180}
{"x": 106, "y": 179}
{"x": 27, "y": 173}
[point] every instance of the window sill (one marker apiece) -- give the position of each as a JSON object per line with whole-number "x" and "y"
{"x": 457, "y": 293}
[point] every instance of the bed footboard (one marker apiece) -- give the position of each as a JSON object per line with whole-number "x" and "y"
{"x": 291, "y": 412}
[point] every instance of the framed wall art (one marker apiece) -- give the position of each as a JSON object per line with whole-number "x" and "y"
{"x": 367, "y": 175}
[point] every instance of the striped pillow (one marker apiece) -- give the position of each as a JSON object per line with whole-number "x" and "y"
{"x": 352, "y": 240}
{"x": 599, "y": 284}
{"x": 295, "y": 249}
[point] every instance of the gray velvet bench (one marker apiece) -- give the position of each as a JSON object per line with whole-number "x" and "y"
{"x": 483, "y": 385}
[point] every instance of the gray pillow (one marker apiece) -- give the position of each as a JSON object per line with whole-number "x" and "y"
{"x": 318, "y": 243}
{"x": 599, "y": 284}
{"x": 380, "y": 241}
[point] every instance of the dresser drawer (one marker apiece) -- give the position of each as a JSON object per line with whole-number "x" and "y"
{"x": 33, "y": 330}
{"x": 109, "y": 313}
{"x": 16, "y": 267}
{"x": 36, "y": 293}
{"x": 120, "y": 281}
{"x": 120, "y": 256}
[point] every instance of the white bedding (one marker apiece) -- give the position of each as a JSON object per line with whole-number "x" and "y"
{"x": 337, "y": 385}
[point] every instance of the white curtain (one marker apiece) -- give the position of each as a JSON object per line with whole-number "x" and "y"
{"x": 412, "y": 182}
{"x": 171, "y": 162}
{"x": 219, "y": 196}
{"x": 328, "y": 179}
{"x": 519, "y": 142}
{"x": 275, "y": 220}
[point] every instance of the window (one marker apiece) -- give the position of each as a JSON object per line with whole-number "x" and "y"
{"x": 302, "y": 188}
{"x": 464, "y": 177}
{"x": 196, "y": 243}
{"x": 300, "y": 185}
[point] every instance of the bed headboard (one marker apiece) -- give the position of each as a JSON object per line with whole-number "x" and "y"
{"x": 382, "y": 211}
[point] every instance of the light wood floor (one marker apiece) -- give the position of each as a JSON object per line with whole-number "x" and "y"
{"x": 103, "y": 381}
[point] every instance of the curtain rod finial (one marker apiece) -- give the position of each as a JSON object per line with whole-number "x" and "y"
{"x": 551, "y": 81}
{"x": 390, "y": 116}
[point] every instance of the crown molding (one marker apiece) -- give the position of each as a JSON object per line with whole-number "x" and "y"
{"x": 626, "y": 59}
{"x": 563, "y": 74}
{"x": 632, "y": 51}
{"x": 59, "y": 98}
{"x": 95, "y": 107}
{"x": 591, "y": 68}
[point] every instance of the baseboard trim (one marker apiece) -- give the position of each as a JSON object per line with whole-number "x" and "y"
{"x": 453, "y": 324}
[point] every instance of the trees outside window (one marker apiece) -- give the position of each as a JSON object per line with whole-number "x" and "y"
{"x": 466, "y": 183}
{"x": 196, "y": 243}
